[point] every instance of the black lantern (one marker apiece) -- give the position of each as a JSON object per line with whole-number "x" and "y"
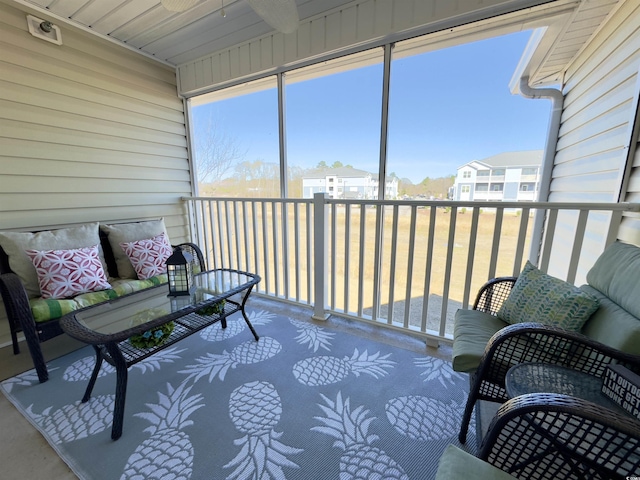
{"x": 179, "y": 271}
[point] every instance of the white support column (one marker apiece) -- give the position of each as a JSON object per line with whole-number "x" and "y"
{"x": 320, "y": 245}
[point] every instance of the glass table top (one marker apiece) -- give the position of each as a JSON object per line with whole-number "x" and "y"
{"x": 547, "y": 378}
{"x": 144, "y": 306}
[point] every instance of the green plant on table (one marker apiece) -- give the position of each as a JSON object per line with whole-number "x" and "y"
{"x": 154, "y": 337}
{"x": 215, "y": 308}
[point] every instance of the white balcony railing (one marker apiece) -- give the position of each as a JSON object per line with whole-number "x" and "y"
{"x": 405, "y": 264}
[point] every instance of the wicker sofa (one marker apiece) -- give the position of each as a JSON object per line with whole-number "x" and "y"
{"x": 486, "y": 346}
{"x": 38, "y": 318}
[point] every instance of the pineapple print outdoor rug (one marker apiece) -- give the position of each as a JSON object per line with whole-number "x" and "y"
{"x": 305, "y": 402}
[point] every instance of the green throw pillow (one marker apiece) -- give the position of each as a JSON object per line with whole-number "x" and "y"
{"x": 538, "y": 297}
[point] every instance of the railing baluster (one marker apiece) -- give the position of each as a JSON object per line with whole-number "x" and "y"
{"x": 614, "y": 226}
{"x": 245, "y": 219}
{"x": 296, "y": 245}
{"x": 237, "y": 233}
{"x": 447, "y": 270}
{"x": 265, "y": 243}
{"x": 363, "y": 214}
{"x": 392, "y": 267}
{"x": 333, "y": 277}
{"x": 377, "y": 263}
{"x": 221, "y": 248}
{"x": 495, "y": 247}
{"x": 473, "y": 235}
{"x": 428, "y": 269}
{"x": 256, "y": 248}
{"x": 410, "y": 255}
{"x": 320, "y": 232}
{"x": 578, "y": 239}
{"x": 276, "y": 256}
{"x": 309, "y": 222}
{"x": 347, "y": 251}
{"x": 550, "y": 230}
{"x": 522, "y": 236}
{"x": 285, "y": 247}
{"x": 207, "y": 235}
{"x": 211, "y": 234}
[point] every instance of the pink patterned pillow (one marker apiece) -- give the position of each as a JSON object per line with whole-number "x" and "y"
{"x": 65, "y": 273}
{"x": 148, "y": 256}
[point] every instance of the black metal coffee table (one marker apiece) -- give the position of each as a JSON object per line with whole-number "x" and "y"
{"x": 109, "y": 326}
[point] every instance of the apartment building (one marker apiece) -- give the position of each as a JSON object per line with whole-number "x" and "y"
{"x": 508, "y": 176}
{"x": 347, "y": 183}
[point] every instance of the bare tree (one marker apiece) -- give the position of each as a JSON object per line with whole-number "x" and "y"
{"x": 216, "y": 152}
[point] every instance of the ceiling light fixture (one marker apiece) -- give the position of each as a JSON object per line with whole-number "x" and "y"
{"x": 178, "y": 5}
{"x": 280, "y": 14}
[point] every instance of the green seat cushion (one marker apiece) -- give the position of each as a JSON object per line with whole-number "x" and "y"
{"x": 472, "y": 331}
{"x": 456, "y": 464}
{"x": 93, "y": 298}
{"x": 49, "y": 309}
{"x": 125, "y": 286}
{"x": 612, "y": 325}
{"x": 539, "y": 297}
{"x": 615, "y": 275}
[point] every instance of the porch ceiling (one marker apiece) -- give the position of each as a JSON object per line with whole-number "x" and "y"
{"x": 178, "y": 38}
{"x": 173, "y": 37}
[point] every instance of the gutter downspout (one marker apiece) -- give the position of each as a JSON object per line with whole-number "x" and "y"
{"x": 557, "y": 103}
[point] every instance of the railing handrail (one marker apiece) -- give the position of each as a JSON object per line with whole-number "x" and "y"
{"x": 617, "y": 207}
{"x": 249, "y": 199}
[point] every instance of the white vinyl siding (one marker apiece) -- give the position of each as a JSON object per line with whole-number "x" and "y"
{"x": 600, "y": 88}
{"x": 89, "y": 132}
{"x": 357, "y": 23}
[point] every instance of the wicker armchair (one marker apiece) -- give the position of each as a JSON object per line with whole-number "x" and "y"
{"x": 556, "y": 436}
{"x": 531, "y": 342}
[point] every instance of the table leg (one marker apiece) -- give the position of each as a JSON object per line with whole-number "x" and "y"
{"x": 94, "y": 375}
{"x": 121, "y": 389}
{"x": 244, "y": 314}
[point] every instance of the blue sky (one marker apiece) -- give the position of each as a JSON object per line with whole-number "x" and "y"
{"x": 447, "y": 107}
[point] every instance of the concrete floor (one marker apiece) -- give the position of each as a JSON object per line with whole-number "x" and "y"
{"x": 25, "y": 454}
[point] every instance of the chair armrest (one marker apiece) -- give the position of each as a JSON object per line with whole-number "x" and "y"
{"x": 544, "y": 435}
{"x": 195, "y": 251}
{"x": 535, "y": 342}
{"x": 16, "y": 304}
{"x": 16, "y": 301}
{"x": 493, "y": 293}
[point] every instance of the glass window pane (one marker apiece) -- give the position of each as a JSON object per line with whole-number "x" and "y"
{"x": 236, "y": 141}
{"x": 333, "y": 127}
{"x": 451, "y": 106}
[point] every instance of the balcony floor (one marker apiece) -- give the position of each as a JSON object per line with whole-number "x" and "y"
{"x": 26, "y": 454}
